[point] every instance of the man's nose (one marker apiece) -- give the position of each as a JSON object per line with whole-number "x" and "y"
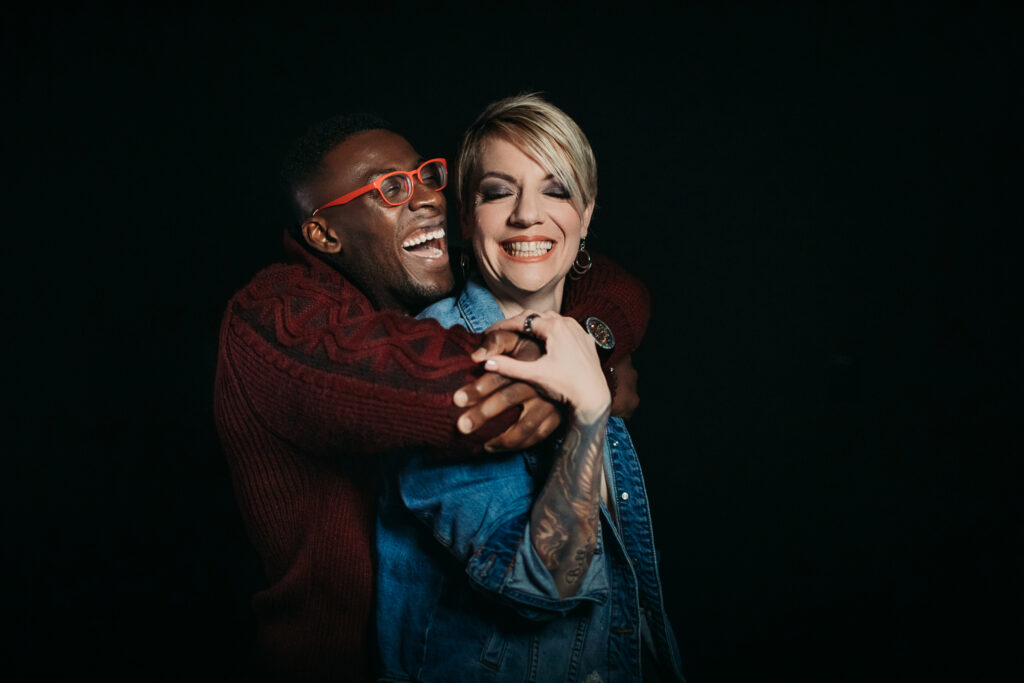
{"x": 425, "y": 196}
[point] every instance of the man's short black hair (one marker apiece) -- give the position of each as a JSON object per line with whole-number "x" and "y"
{"x": 304, "y": 159}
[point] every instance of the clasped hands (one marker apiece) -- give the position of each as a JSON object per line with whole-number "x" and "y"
{"x": 492, "y": 394}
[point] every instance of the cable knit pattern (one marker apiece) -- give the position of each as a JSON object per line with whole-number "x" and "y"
{"x": 312, "y": 385}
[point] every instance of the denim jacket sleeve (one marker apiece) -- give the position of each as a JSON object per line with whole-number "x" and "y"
{"x": 480, "y": 512}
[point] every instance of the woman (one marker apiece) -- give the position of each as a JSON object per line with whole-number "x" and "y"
{"x": 537, "y": 565}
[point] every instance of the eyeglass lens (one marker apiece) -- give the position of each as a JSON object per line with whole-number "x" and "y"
{"x": 434, "y": 175}
{"x": 397, "y": 188}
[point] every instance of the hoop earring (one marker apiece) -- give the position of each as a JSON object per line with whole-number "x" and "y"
{"x": 581, "y": 266}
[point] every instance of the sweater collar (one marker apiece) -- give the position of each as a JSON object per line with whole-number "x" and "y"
{"x": 299, "y": 255}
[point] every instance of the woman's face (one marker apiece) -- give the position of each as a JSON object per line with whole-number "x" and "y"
{"x": 525, "y": 230}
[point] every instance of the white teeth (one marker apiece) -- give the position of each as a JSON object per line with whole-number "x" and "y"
{"x": 423, "y": 237}
{"x": 526, "y": 249}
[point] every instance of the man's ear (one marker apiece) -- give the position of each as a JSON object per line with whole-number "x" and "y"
{"x": 587, "y": 213}
{"x": 319, "y": 235}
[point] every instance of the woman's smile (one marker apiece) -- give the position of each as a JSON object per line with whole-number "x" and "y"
{"x": 528, "y": 249}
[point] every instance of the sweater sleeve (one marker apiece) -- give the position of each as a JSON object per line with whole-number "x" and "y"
{"x": 319, "y": 368}
{"x": 615, "y": 296}
{"x": 324, "y": 371}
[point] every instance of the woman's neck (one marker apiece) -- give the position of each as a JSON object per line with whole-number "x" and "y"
{"x": 547, "y": 300}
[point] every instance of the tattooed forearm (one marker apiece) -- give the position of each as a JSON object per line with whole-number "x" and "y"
{"x": 549, "y": 534}
{"x": 580, "y": 564}
{"x": 564, "y": 518}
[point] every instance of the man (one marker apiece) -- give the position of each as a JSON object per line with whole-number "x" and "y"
{"x": 320, "y": 371}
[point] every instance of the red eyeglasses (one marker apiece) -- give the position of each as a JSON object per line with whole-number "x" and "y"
{"x": 396, "y": 187}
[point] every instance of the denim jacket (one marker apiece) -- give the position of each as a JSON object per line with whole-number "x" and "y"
{"x": 463, "y": 596}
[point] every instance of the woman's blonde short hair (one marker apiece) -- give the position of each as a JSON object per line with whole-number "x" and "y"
{"x": 545, "y": 133}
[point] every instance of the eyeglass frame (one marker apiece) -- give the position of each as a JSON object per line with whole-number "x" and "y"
{"x": 375, "y": 185}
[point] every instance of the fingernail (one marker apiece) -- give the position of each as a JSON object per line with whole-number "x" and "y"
{"x": 478, "y": 354}
{"x": 465, "y": 425}
{"x": 491, "y": 365}
{"x": 490, "y": 448}
{"x": 459, "y": 398}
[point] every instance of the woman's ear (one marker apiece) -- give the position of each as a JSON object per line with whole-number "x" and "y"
{"x": 587, "y": 213}
{"x": 319, "y": 235}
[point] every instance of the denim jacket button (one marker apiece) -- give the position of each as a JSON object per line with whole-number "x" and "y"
{"x": 625, "y": 496}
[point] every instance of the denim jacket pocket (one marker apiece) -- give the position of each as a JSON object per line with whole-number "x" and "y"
{"x": 494, "y": 651}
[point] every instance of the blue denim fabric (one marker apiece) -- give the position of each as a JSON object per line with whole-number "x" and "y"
{"x": 463, "y": 596}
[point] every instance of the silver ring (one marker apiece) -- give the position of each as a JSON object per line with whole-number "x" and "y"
{"x": 528, "y": 323}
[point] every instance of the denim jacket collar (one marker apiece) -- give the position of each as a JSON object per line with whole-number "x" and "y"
{"x": 478, "y": 306}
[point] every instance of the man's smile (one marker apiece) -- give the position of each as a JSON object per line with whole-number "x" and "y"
{"x": 426, "y": 243}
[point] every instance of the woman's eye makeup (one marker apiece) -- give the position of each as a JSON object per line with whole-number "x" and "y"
{"x": 556, "y": 190}
{"x": 491, "y": 191}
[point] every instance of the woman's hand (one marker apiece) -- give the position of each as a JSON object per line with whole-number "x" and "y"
{"x": 564, "y": 519}
{"x": 568, "y": 372}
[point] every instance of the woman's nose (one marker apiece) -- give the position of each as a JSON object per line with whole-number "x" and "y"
{"x": 526, "y": 212}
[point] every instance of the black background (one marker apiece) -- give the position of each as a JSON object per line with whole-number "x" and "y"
{"x": 818, "y": 195}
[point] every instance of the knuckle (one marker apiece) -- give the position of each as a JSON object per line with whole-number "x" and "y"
{"x": 529, "y": 421}
{"x": 523, "y": 392}
{"x": 496, "y": 405}
{"x": 547, "y": 427}
{"x": 547, "y": 409}
{"x": 503, "y": 401}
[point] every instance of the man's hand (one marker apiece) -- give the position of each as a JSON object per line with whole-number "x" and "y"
{"x": 492, "y": 394}
{"x": 625, "y": 398}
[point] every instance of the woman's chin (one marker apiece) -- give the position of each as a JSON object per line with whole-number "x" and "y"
{"x": 530, "y": 285}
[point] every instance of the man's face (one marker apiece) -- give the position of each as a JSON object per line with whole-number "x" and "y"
{"x": 383, "y": 249}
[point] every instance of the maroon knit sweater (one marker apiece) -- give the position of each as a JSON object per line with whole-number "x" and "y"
{"x": 312, "y": 386}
